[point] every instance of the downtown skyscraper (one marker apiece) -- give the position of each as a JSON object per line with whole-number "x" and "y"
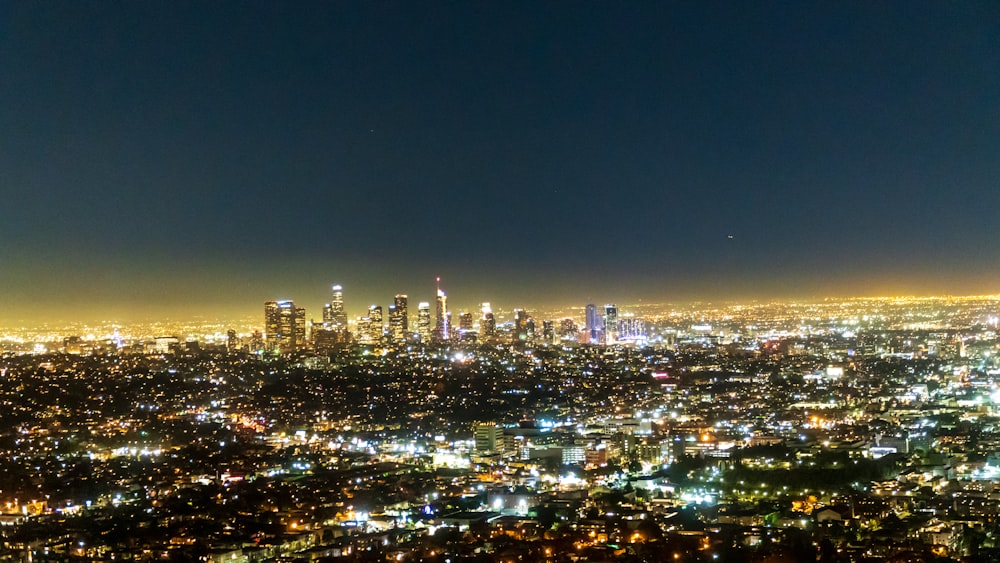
{"x": 442, "y": 326}
{"x": 487, "y": 322}
{"x": 521, "y": 330}
{"x": 399, "y": 323}
{"x": 610, "y": 324}
{"x": 593, "y": 325}
{"x": 424, "y": 321}
{"x": 375, "y": 315}
{"x": 284, "y": 327}
{"x": 334, "y": 315}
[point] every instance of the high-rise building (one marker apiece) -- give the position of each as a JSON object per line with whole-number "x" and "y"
{"x": 300, "y": 329}
{"x": 284, "y": 326}
{"x": 272, "y": 323}
{"x": 568, "y": 330}
{"x": 465, "y": 321}
{"x": 548, "y": 331}
{"x": 442, "y": 328}
{"x": 375, "y": 327}
{"x": 487, "y": 323}
{"x": 610, "y": 324}
{"x": 424, "y": 321}
{"x": 338, "y": 317}
{"x": 465, "y": 330}
{"x": 393, "y": 319}
{"x": 257, "y": 343}
{"x": 365, "y": 332}
{"x": 232, "y": 342}
{"x": 520, "y": 325}
{"x": 593, "y": 326}
{"x": 399, "y": 323}
{"x": 487, "y": 438}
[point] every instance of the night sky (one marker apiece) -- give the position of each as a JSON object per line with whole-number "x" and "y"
{"x": 171, "y": 158}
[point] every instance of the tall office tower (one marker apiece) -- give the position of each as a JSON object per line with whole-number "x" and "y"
{"x": 393, "y": 320}
{"x": 424, "y": 321}
{"x": 328, "y": 315}
{"x": 520, "y": 325}
{"x": 487, "y": 323}
{"x": 487, "y": 435}
{"x": 284, "y": 326}
{"x": 272, "y": 322}
{"x": 364, "y": 327}
{"x": 593, "y": 325}
{"x": 465, "y": 322}
{"x": 466, "y": 332}
{"x": 337, "y": 314}
{"x": 257, "y": 343}
{"x": 299, "y": 329}
{"x": 399, "y": 322}
{"x": 568, "y": 330}
{"x": 610, "y": 324}
{"x": 232, "y": 342}
{"x": 375, "y": 328}
{"x": 442, "y": 329}
{"x": 548, "y": 331}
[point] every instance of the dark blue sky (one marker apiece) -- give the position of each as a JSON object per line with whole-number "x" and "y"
{"x": 205, "y": 157}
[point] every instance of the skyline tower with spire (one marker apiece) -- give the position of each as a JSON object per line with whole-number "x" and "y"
{"x": 442, "y": 328}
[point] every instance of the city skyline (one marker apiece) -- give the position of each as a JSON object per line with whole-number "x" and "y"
{"x": 190, "y": 160}
{"x": 818, "y": 426}
{"x": 357, "y": 304}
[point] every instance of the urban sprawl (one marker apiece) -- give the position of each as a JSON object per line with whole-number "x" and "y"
{"x": 833, "y": 430}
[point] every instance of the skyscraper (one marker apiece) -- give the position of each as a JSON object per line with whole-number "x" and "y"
{"x": 487, "y": 323}
{"x": 593, "y": 325}
{"x": 272, "y": 323}
{"x": 284, "y": 326}
{"x": 232, "y": 342}
{"x": 520, "y": 325}
{"x": 442, "y": 329}
{"x": 257, "y": 343}
{"x": 465, "y": 331}
{"x": 424, "y": 321}
{"x": 375, "y": 328}
{"x": 548, "y": 331}
{"x": 299, "y": 329}
{"x": 399, "y": 323}
{"x": 338, "y": 317}
{"x": 364, "y": 328}
{"x": 610, "y": 324}
{"x": 465, "y": 320}
{"x": 568, "y": 330}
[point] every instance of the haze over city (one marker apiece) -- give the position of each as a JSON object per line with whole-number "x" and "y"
{"x": 191, "y": 159}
